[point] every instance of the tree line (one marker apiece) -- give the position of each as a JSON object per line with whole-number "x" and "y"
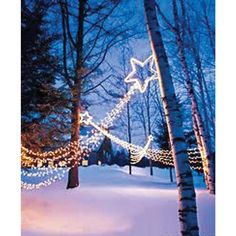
{"x": 67, "y": 67}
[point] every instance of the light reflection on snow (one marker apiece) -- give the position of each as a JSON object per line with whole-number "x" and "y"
{"x": 143, "y": 192}
{"x": 110, "y": 202}
{"x": 67, "y": 218}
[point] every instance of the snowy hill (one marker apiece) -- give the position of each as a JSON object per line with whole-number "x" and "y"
{"x": 110, "y": 202}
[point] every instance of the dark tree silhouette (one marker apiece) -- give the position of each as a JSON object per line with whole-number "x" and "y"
{"x": 39, "y": 95}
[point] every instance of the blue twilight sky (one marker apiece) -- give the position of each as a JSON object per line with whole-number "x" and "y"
{"x": 132, "y": 11}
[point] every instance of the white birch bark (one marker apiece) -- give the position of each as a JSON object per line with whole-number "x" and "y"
{"x": 200, "y": 147}
{"x": 208, "y": 165}
{"x": 201, "y": 80}
{"x": 187, "y": 197}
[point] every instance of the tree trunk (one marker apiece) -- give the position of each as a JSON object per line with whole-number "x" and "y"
{"x": 187, "y": 197}
{"x": 205, "y": 100}
{"x": 171, "y": 175}
{"x": 204, "y": 134}
{"x": 200, "y": 74}
{"x": 208, "y": 27}
{"x": 73, "y": 179}
{"x": 129, "y": 132}
{"x": 73, "y": 176}
{"x": 149, "y": 126}
{"x": 200, "y": 147}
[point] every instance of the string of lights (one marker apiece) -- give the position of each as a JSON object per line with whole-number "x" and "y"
{"x": 40, "y": 172}
{"x": 62, "y": 152}
{"x": 51, "y": 162}
{"x": 154, "y": 154}
{"x": 45, "y": 183}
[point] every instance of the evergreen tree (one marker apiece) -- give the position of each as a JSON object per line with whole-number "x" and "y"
{"x": 162, "y": 136}
{"x": 105, "y": 152}
{"x": 39, "y": 95}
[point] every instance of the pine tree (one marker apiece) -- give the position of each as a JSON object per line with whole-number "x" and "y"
{"x": 39, "y": 96}
{"x": 105, "y": 151}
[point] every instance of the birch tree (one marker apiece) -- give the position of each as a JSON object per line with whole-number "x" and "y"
{"x": 201, "y": 130}
{"x": 187, "y": 197}
{"x": 206, "y": 100}
{"x": 206, "y": 21}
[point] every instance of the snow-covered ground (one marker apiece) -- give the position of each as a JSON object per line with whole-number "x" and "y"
{"x": 110, "y": 202}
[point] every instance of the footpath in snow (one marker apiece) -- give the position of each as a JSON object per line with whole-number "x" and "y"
{"x": 110, "y": 202}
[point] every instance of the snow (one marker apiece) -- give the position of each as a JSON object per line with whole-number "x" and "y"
{"x": 110, "y": 202}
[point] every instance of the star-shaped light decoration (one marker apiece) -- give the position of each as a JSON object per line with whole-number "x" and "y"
{"x": 85, "y": 118}
{"x": 137, "y": 78}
